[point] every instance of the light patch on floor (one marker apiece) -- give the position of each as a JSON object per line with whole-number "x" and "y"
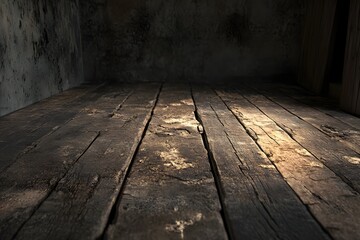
{"x": 175, "y": 104}
{"x": 303, "y": 152}
{"x": 267, "y": 166}
{"x": 316, "y": 164}
{"x": 188, "y": 102}
{"x": 185, "y": 121}
{"x": 352, "y": 160}
{"x": 180, "y": 225}
{"x": 173, "y": 158}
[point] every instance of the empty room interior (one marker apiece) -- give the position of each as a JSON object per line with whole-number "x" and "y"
{"x": 192, "y": 119}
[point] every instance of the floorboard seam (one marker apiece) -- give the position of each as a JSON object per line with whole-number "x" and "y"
{"x": 113, "y": 213}
{"x": 215, "y": 172}
{"x": 342, "y": 141}
{"x": 251, "y": 180}
{"x": 55, "y": 186}
{"x": 307, "y": 206}
{"x": 34, "y": 144}
{"x": 322, "y": 110}
{"x": 343, "y": 178}
{"x": 121, "y": 104}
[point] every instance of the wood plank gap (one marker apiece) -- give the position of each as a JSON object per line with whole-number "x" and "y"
{"x": 289, "y": 133}
{"x": 251, "y": 135}
{"x": 26, "y": 144}
{"x": 170, "y": 192}
{"x": 332, "y": 201}
{"x": 53, "y": 187}
{"x": 322, "y": 104}
{"x": 121, "y": 104}
{"x": 31, "y": 180}
{"x": 215, "y": 172}
{"x": 69, "y": 169}
{"x": 80, "y": 206}
{"x": 114, "y": 210}
{"x": 260, "y": 203}
{"x": 328, "y": 125}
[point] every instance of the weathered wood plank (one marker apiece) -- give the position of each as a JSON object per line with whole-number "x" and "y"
{"x": 170, "y": 192}
{"x": 340, "y": 159}
{"x": 29, "y": 181}
{"x": 322, "y": 104}
{"x": 33, "y": 116}
{"x": 81, "y": 203}
{"x": 323, "y": 122}
{"x": 332, "y": 202}
{"x": 258, "y": 202}
{"x": 24, "y": 129}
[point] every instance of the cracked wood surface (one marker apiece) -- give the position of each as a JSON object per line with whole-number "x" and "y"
{"x": 332, "y": 201}
{"x": 311, "y": 130}
{"x": 170, "y": 192}
{"x": 22, "y": 130}
{"x": 82, "y": 201}
{"x": 29, "y": 180}
{"x": 134, "y": 161}
{"x": 322, "y": 104}
{"x": 258, "y": 202}
{"x": 326, "y": 124}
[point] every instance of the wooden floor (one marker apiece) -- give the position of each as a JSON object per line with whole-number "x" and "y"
{"x": 172, "y": 161}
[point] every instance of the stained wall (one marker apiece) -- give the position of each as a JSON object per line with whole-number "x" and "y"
{"x": 164, "y": 40}
{"x": 40, "y": 50}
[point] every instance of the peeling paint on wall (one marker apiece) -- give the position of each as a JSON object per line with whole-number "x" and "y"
{"x": 40, "y": 50}
{"x": 161, "y": 40}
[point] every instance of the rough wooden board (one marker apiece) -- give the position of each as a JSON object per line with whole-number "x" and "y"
{"x": 323, "y": 122}
{"x": 80, "y": 205}
{"x": 30, "y": 179}
{"x": 322, "y": 104}
{"x": 332, "y": 202}
{"x": 170, "y": 192}
{"x": 25, "y": 184}
{"x": 25, "y": 128}
{"x": 258, "y": 202}
{"x": 336, "y": 156}
{"x": 35, "y": 115}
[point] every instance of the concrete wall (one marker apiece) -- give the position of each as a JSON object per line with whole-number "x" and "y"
{"x": 40, "y": 50}
{"x": 145, "y": 40}
{"x": 94, "y": 28}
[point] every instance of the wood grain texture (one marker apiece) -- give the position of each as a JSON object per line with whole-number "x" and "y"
{"x": 28, "y": 181}
{"x": 25, "y": 184}
{"x": 316, "y": 43}
{"x": 81, "y": 203}
{"x": 241, "y": 162}
{"x": 350, "y": 98}
{"x": 170, "y": 192}
{"x": 325, "y": 105}
{"x": 23, "y": 130}
{"x": 34, "y": 116}
{"x": 342, "y": 159}
{"x": 258, "y": 202}
{"x": 331, "y": 201}
{"x": 333, "y": 130}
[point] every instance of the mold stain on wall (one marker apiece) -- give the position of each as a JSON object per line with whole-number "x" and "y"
{"x": 40, "y": 50}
